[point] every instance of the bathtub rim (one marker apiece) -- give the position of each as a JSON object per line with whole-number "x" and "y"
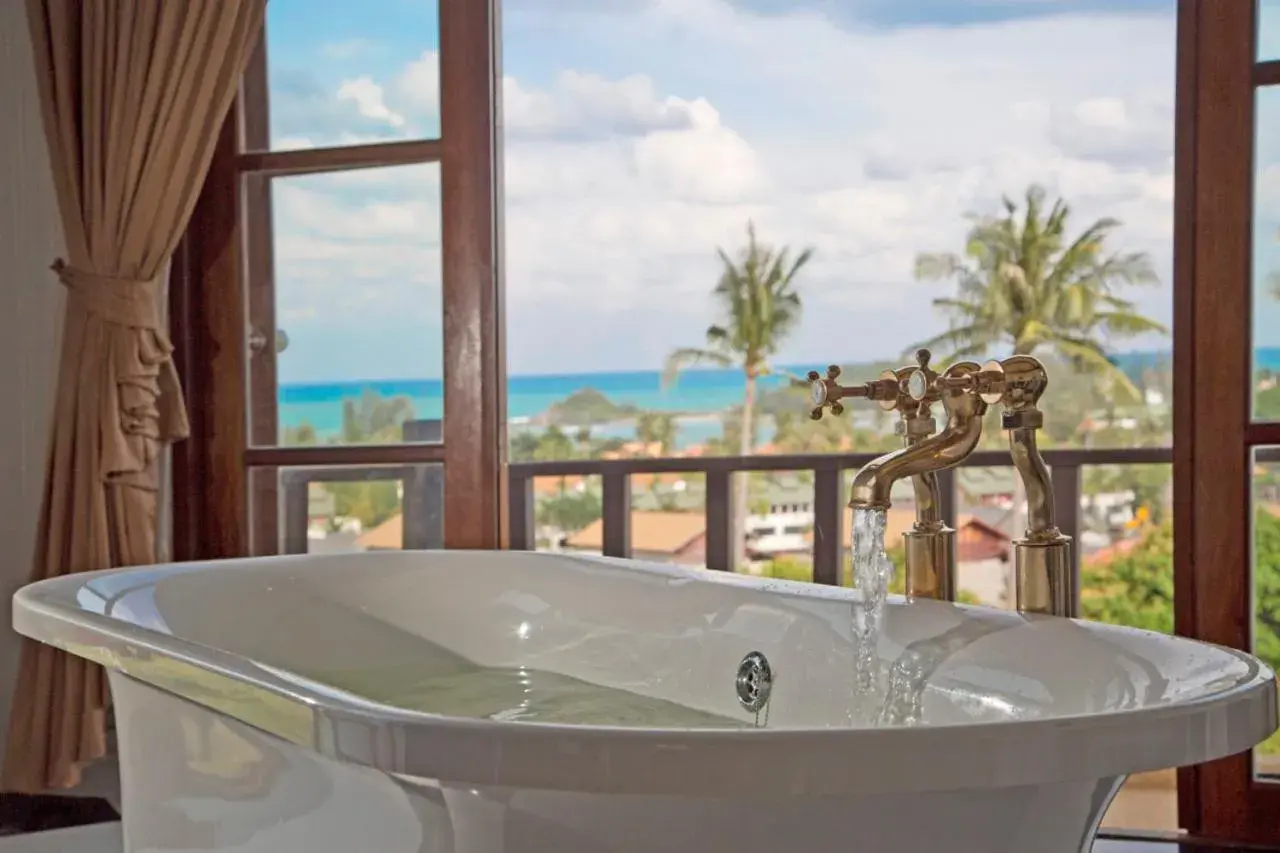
{"x": 715, "y": 762}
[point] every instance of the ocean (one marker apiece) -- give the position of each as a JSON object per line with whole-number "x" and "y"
{"x": 699, "y": 395}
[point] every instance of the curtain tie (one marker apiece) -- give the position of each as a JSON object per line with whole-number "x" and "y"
{"x": 122, "y": 301}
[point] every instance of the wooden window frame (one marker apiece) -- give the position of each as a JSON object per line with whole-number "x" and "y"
{"x": 222, "y": 290}
{"x": 1214, "y": 433}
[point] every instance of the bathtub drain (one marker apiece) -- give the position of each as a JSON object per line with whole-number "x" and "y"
{"x": 754, "y": 682}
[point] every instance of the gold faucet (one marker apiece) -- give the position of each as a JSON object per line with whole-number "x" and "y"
{"x": 1042, "y": 561}
{"x": 1042, "y": 557}
{"x": 911, "y": 390}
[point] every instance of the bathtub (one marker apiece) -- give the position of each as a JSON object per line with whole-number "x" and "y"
{"x": 1009, "y": 733}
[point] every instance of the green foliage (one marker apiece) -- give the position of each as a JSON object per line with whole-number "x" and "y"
{"x": 371, "y": 503}
{"x": 1134, "y": 589}
{"x": 374, "y": 419}
{"x": 1023, "y": 282}
{"x": 1267, "y": 404}
{"x": 1266, "y": 586}
{"x": 786, "y": 568}
{"x": 303, "y": 435}
{"x": 657, "y": 428}
{"x": 569, "y": 511}
{"x": 523, "y": 446}
{"x": 759, "y": 307}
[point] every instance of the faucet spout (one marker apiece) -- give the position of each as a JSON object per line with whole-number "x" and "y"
{"x": 1045, "y": 581}
{"x": 873, "y": 484}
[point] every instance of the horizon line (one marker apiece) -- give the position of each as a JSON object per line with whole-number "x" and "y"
{"x": 637, "y": 371}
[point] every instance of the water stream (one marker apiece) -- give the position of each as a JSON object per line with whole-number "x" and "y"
{"x": 872, "y": 572}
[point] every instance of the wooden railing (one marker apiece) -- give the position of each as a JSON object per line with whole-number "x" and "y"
{"x": 829, "y": 494}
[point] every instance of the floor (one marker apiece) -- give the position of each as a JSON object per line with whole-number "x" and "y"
{"x": 1109, "y": 846}
{"x": 105, "y": 838}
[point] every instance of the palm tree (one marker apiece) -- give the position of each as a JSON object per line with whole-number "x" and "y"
{"x": 759, "y": 309}
{"x": 656, "y": 428}
{"x": 1023, "y": 282}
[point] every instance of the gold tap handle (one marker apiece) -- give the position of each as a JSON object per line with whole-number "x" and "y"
{"x": 988, "y": 383}
{"x": 826, "y": 393}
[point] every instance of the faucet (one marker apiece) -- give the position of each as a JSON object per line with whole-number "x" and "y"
{"x": 1044, "y": 579}
{"x": 911, "y": 390}
{"x": 1042, "y": 561}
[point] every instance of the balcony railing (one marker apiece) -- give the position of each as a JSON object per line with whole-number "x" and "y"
{"x": 829, "y": 494}
{"x": 423, "y": 516}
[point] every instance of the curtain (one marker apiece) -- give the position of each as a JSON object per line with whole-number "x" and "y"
{"x": 134, "y": 93}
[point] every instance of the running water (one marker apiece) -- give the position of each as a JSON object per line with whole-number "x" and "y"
{"x": 872, "y": 571}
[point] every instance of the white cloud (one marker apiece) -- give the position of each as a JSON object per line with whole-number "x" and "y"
{"x": 869, "y": 145}
{"x": 368, "y": 98}
{"x": 419, "y": 83}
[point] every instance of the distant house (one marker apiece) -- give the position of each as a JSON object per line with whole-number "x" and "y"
{"x": 387, "y": 536}
{"x": 668, "y": 537}
{"x": 786, "y": 523}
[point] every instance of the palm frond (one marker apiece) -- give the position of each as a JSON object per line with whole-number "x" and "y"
{"x": 687, "y": 357}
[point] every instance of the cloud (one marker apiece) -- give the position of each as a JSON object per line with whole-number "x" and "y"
{"x": 418, "y": 85}
{"x": 368, "y": 98}
{"x": 585, "y": 105}
{"x": 681, "y": 119}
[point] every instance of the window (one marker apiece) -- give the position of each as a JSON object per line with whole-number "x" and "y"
{"x": 328, "y": 333}
{"x": 1226, "y": 432}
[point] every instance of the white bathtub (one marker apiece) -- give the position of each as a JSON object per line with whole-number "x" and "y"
{"x": 1023, "y": 727}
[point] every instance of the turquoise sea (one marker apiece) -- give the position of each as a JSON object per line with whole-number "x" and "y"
{"x": 700, "y": 395}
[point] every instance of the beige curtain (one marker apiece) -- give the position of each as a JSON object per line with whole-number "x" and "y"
{"x": 134, "y": 93}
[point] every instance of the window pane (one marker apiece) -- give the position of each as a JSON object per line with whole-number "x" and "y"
{"x": 1266, "y": 257}
{"x": 332, "y": 510}
{"x": 352, "y": 73}
{"x": 357, "y": 299}
{"x": 1268, "y": 30}
{"x": 1266, "y": 582}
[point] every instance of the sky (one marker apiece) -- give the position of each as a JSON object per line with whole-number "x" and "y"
{"x": 640, "y": 135}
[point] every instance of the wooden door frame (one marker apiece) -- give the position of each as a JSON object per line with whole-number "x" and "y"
{"x": 1213, "y": 367}
{"x": 224, "y": 461}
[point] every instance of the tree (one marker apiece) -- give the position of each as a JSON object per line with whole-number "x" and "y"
{"x": 302, "y": 435}
{"x": 657, "y": 428}
{"x": 1136, "y": 588}
{"x": 1022, "y": 282}
{"x": 375, "y": 419}
{"x": 524, "y": 446}
{"x": 759, "y": 308}
{"x": 569, "y": 512}
{"x": 553, "y": 446}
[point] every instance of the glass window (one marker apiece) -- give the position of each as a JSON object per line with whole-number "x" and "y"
{"x": 357, "y": 305}
{"x": 352, "y": 73}
{"x": 1268, "y": 30}
{"x": 1266, "y": 581}
{"x": 1266, "y": 257}
{"x": 336, "y": 509}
